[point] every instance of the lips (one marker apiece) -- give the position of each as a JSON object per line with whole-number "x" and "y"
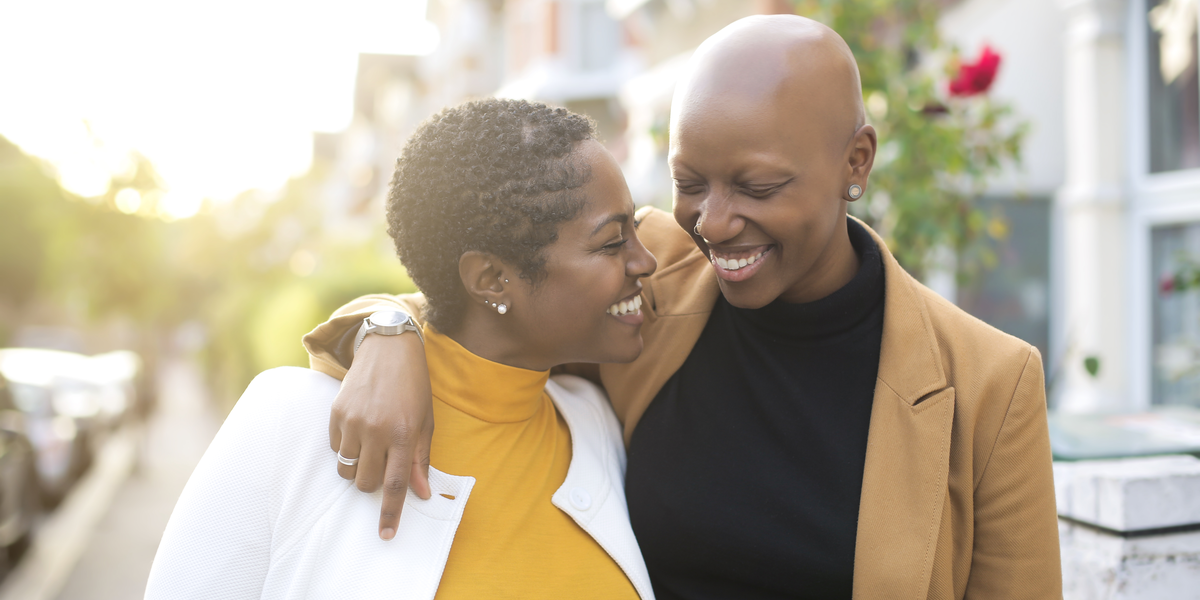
{"x": 738, "y": 265}
{"x": 733, "y": 264}
{"x": 626, "y": 307}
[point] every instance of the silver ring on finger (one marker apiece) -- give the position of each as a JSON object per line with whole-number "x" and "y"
{"x": 349, "y": 462}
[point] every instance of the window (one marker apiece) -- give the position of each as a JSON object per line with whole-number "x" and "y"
{"x": 1174, "y": 89}
{"x": 1014, "y": 295}
{"x": 599, "y": 37}
{"x": 1175, "y": 258}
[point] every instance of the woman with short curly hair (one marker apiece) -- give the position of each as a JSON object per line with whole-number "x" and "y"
{"x": 519, "y": 229}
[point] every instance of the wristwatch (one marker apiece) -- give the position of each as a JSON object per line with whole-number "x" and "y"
{"x": 387, "y": 322}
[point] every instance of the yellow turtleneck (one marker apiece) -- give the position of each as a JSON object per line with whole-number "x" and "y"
{"x": 497, "y": 424}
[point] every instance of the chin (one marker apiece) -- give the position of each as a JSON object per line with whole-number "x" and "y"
{"x": 748, "y": 297}
{"x": 625, "y": 352}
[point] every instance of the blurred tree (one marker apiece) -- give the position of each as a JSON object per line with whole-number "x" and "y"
{"x": 263, "y": 271}
{"x": 28, "y": 195}
{"x": 256, "y": 273}
{"x": 941, "y": 136}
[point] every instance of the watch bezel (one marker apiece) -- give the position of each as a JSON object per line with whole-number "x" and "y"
{"x": 406, "y": 323}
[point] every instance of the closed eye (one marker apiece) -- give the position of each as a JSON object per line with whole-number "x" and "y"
{"x": 762, "y": 192}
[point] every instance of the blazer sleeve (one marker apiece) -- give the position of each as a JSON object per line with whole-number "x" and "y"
{"x": 1016, "y": 551}
{"x": 330, "y": 346}
{"x": 217, "y": 543}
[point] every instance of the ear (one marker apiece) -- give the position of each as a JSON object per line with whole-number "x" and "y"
{"x": 861, "y": 159}
{"x": 483, "y": 276}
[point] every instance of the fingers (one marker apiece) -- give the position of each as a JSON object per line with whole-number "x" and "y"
{"x": 372, "y": 460}
{"x": 395, "y": 488}
{"x": 348, "y": 448}
{"x": 419, "y": 477}
{"x": 335, "y": 429}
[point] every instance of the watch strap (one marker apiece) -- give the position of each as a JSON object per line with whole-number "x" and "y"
{"x": 368, "y": 327}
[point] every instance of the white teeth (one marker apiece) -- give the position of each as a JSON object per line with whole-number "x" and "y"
{"x": 735, "y": 264}
{"x": 626, "y": 307}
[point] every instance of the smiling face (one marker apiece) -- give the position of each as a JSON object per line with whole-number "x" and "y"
{"x": 586, "y": 307}
{"x": 764, "y": 145}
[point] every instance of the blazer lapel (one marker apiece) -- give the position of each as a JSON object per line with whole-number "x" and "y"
{"x": 908, "y": 449}
{"x": 678, "y": 300}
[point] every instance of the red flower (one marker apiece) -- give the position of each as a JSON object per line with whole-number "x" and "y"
{"x": 976, "y": 78}
{"x": 1166, "y": 285}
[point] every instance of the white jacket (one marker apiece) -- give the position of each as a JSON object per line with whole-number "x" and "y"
{"x": 265, "y": 514}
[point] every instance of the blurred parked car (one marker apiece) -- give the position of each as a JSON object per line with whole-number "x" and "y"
{"x": 70, "y": 402}
{"x": 20, "y": 493}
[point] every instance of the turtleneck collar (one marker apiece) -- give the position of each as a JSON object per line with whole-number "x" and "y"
{"x": 486, "y": 390}
{"x": 835, "y": 313}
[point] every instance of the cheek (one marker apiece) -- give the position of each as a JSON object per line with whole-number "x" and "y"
{"x": 575, "y": 304}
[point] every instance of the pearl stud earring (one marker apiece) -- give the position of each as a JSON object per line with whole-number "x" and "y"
{"x": 855, "y": 191}
{"x": 503, "y": 308}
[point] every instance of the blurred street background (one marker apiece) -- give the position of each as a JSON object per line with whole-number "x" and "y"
{"x": 185, "y": 190}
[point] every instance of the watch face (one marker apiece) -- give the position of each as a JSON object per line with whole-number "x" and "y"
{"x": 388, "y": 317}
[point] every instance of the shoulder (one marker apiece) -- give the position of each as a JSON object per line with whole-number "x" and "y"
{"x": 576, "y": 390}
{"x": 683, "y": 284}
{"x": 663, "y": 237}
{"x": 286, "y": 390}
{"x": 283, "y": 419}
{"x": 576, "y": 397}
{"x": 969, "y": 343}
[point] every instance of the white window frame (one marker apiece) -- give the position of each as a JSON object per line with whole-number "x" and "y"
{"x": 1155, "y": 200}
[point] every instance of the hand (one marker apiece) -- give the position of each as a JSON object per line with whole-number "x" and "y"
{"x": 383, "y": 415}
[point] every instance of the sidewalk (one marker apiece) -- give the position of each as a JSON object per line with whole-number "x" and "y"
{"x": 116, "y": 562}
{"x": 100, "y": 543}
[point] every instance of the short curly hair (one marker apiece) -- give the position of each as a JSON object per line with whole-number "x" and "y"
{"x": 495, "y": 176}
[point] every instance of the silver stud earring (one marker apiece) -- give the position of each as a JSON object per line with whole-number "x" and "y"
{"x": 505, "y": 281}
{"x": 503, "y": 308}
{"x": 493, "y": 305}
{"x": 855, "y": 191}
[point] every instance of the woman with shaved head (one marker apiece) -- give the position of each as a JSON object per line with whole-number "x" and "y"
{"x": 806, "y": 420}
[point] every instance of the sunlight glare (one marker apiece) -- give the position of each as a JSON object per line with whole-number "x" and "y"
{"x": 220, "y": 96}
{"x": 128, "y": 200}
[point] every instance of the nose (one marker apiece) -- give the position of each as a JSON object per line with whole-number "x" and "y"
{"x": 641, "y": 262}
{"x": 719, "y": 221}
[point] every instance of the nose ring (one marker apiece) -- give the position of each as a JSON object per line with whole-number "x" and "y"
{"x": 696, "y": 229}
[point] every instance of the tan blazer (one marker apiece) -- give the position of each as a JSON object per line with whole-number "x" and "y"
{"x": 958, "y": 493}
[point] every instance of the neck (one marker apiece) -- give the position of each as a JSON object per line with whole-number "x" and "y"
{"x": 833, "y": 269}
{"x": 487, "y": 335}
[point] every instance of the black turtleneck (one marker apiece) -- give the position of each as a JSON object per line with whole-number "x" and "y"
{"x": 745, "y": 472}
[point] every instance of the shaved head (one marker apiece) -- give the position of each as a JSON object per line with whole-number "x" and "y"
{"x": 776, "y": 63}
{"x": 768, "y": 144}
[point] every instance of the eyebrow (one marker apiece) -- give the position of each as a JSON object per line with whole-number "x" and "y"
{"x": 621, "y": 218}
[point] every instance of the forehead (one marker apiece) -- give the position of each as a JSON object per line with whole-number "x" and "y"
{"x": 606, "y": 191}
{"x": 734, "y": 133}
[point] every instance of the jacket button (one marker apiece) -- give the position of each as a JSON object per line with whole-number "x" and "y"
{"x": 580, "y": 499}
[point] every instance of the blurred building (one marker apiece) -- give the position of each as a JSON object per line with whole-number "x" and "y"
{"x": 1113, "y": 168}
{"x": 392, "y": 95}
